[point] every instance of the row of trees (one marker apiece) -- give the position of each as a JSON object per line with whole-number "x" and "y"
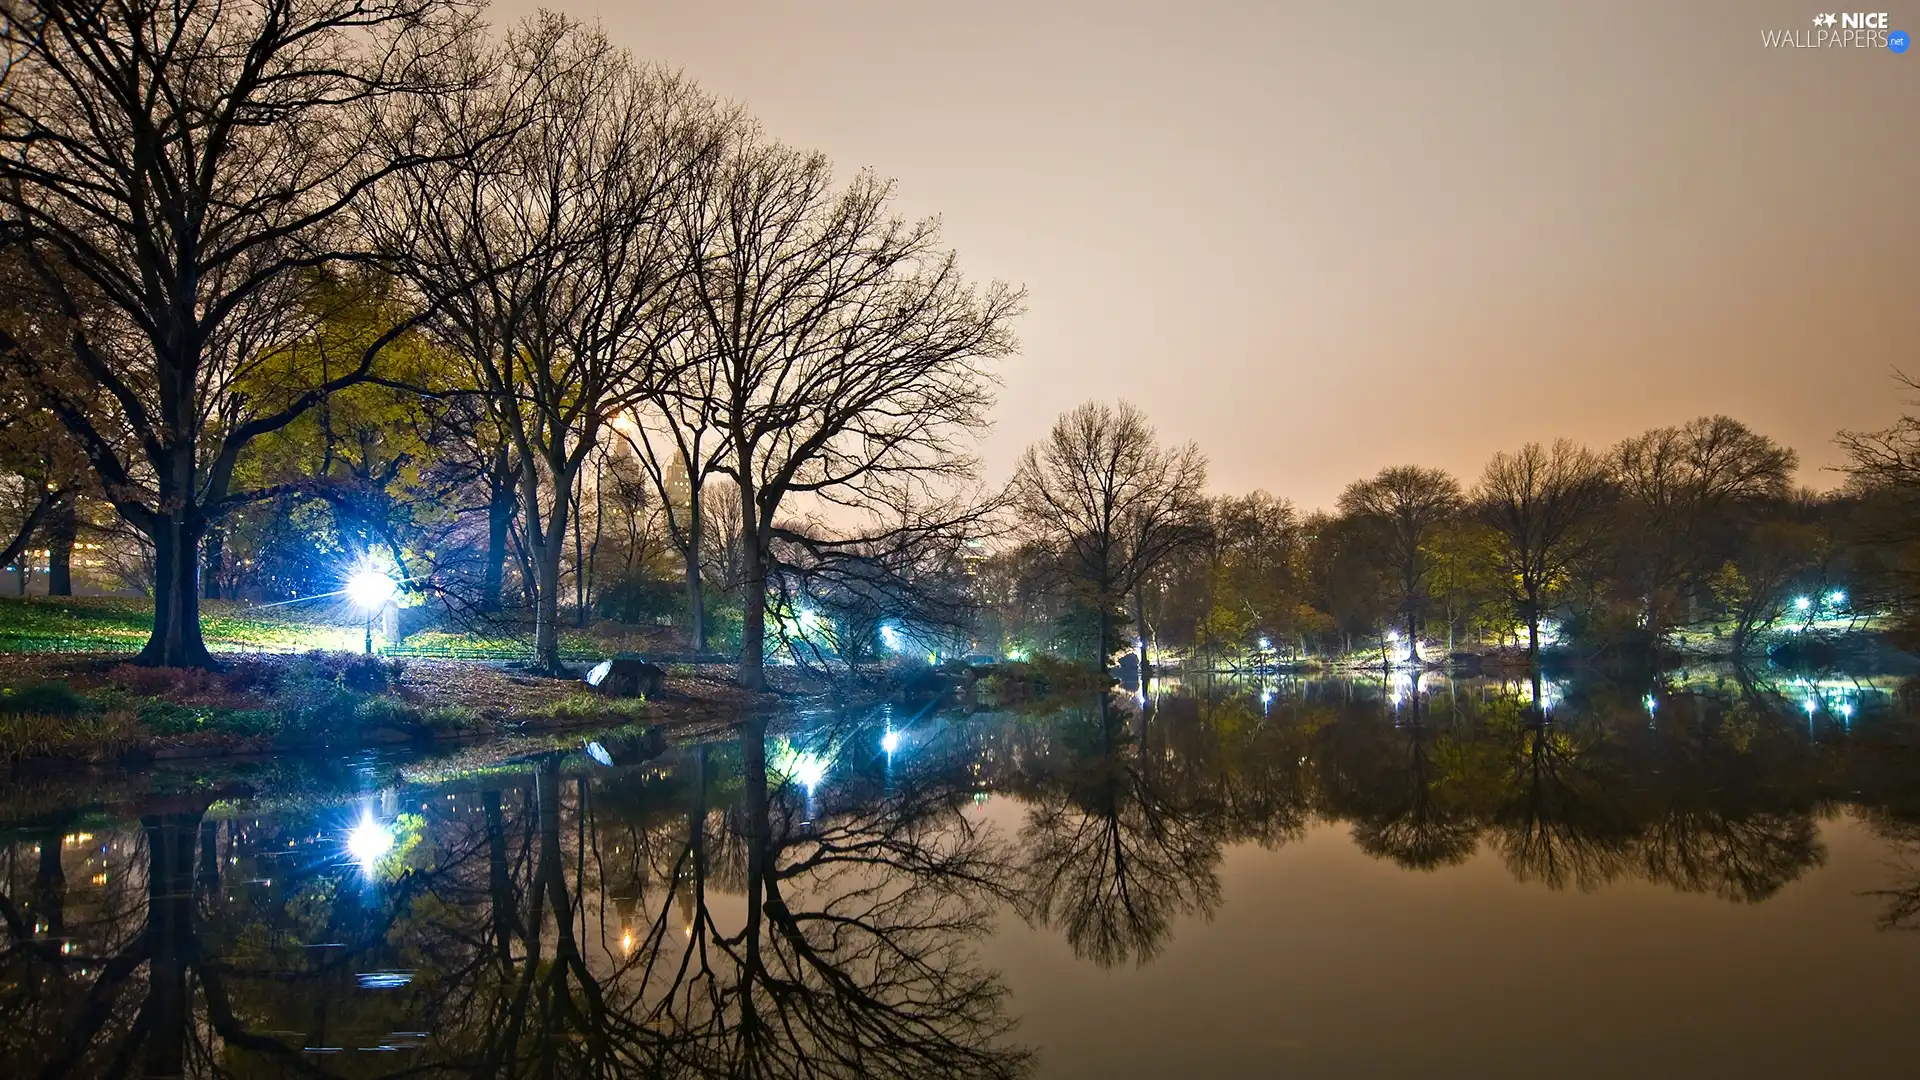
{"x": 1696, "y": 525}
{"x": 305, "y": 285}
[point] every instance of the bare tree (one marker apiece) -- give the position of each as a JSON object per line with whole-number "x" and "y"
{"x": 1401, "y": 510}
{"x": 1109, "y": 504}
{"x": 1546, "y": 508}
{"x": 680, "y": 440}
{"x": 845, "y": 355}
{"x": 1683, "y": 485}
{"x": 565, "y": 227}
{"x": 177, "y": 177}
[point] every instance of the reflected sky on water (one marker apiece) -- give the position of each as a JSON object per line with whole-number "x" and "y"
{"x": 1706, "y": 875}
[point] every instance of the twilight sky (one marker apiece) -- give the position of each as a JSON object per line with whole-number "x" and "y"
{"x": 1322, "y": 238}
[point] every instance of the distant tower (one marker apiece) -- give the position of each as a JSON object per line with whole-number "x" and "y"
{"x": 679, "y": 485}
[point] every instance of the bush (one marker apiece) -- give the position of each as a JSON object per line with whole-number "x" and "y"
{"x": 387, "y": 712}
{"x": 88, "y": 735}
{"x": 52, "y": 698}
{"x": 450, "y": 718}
{"x": 586, "y": 708}
{"x": 168, "y": 718}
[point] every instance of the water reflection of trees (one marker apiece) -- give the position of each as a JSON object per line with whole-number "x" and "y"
{"x": 703, "y": 916}
{"x": 689, "y": 923}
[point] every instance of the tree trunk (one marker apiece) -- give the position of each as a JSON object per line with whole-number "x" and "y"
{"x": 176, "y": 640}
{"x": 212, "y": 563}
{"x": 546, "y": 618}
{"x": 500, "y": 507}
{"x": 696, "y": 600}
{"x": 753, "y": 623}
{"x": 1413, "y": 635}
{"x": 1140, "y": 634}
{"x": 1533, "y": 632}
{"x": 61, "y": 533}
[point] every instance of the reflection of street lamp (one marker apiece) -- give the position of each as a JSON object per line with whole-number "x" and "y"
{"x": 369, "y": 589}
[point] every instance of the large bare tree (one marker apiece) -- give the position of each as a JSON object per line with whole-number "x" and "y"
{"x": 1400, "y": 511}
{"x": 177, "y": 176}
{"x": 1546, "y": 507}
{"x": 566, "y": 228}
{"x": 845, "y": 355}
{"x": 1684, "y": 488}
{"x": 1109, "y": 505}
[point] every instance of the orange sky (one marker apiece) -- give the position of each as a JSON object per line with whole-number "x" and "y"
{"x": 1323, "y": 238}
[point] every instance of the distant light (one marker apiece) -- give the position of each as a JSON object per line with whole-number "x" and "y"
{"x": 891, "y": 638}
{"x": 384, "y": 980}
{"x": 1266, "y": 643}
{"x": 1801, "y": 603}
{"x": 1650, "y": 704}
{"x": 1846, "y": 709}
{"x": 890, "y": 741}
{"x": 808, "y": 770}
{"x": 368, "y": 841}
{"x": 1837, "y": 597}
{"x": 1393, "y": 635}
{"x": 369, "y": 589}
{"x": 1016, "y": 655}
{"x": 1266, "y": 696}
{"x": 1811, "y": 705}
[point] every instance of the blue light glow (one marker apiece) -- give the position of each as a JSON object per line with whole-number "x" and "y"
{"x": 369, "y": 841}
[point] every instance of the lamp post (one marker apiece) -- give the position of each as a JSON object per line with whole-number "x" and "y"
{"x": 369, "y": 589}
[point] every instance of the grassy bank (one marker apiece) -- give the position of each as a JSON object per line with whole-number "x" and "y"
{"x": 294, "y": 682}
{"x": 108, "y": 624}
{"x": 100, "y": 709}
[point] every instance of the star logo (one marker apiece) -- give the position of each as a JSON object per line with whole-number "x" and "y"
{"x": 1824, "y": 20}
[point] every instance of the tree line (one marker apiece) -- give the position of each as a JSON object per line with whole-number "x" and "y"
{"x": 549, "y": 334}
{"x": 1690, "y": 535}
{"x": 298, "y": 286}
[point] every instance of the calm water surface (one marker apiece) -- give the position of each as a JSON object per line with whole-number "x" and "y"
{"x": 1702, "y": 877}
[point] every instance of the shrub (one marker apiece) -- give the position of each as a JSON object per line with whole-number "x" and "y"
{"x": 89, "y": 735}
{"x": 51, "y": 698}
{"x": 389, "y": 712}
{"x": 450, "y": 718}
{"x": 583, "y": 708}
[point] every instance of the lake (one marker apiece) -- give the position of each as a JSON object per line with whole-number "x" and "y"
{"x": 1712, "y": 874}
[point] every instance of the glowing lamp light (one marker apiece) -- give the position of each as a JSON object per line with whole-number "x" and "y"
{"x": 369, "y": 589}
{"x": 890, "y": 741}
{"x": 1811, "y": 706}
{"x": 808, "y": 770}
{"x": 368, "y": 841}
{"x": 1801, "y": 603}
{"x": 1393, "y": 635}
{"x": 1837, "y": 597}
{"x": 1266, "y": 643}
{"x": 1846, "y": 710}
{"x": 891, "y": 638}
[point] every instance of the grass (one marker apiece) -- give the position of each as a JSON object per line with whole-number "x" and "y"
{"x": 110, "y": 624}
{"x": 69, "y": 624}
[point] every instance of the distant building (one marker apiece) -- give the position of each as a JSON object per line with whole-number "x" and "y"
{"x": 679, "y": 486}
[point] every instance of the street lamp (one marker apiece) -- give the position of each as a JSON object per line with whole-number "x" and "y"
{"x": 369, "y": 589}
